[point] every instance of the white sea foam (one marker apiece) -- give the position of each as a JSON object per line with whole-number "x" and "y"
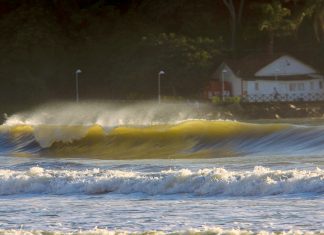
{"x": 204, "y": 231}
{"x": 205, "y": 182}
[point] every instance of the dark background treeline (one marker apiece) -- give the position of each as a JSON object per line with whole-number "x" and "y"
{"x": 121, "y": 45}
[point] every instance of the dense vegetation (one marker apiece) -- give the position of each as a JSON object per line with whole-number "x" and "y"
{"x": 121, "y": 45}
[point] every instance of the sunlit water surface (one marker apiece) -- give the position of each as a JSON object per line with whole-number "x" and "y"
{"x": 176, "y": 172}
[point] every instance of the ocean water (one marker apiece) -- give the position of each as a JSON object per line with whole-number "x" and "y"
{"x": 98, "y": 168}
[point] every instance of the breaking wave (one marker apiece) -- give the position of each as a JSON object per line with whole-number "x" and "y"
{"x": 147, "y": 131}
{"x": 188, "y": 139}
{"x": 204, "y": 182}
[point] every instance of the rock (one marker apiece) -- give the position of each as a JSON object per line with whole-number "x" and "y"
{"x": 292, "y": 106}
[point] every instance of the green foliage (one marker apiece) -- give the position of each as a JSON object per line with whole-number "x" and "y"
{"x": 228, "y": 100}
{"x": 216, "y": 100}
{"x": 276, "y": 18}
{"x": 233, "y": 100}
{"x": 280, "y": 20}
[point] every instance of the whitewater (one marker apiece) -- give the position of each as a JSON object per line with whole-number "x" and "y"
{"x": 138, "y": 168}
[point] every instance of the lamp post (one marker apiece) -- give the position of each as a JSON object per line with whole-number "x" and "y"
{"x": 223, "y": 85}
{"x": 77, "y": 72}
{"x": 159, "y": 85}
{"x": 277, "y": 70}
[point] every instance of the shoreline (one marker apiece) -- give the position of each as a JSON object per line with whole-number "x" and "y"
{"x": 271, "y": 111}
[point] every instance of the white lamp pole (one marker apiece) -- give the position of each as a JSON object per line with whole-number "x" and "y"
{"x": 277, "y": 73}
{"x": 159, "y": 85}
{"x": 223, "y": 83}
{"x": 77, "y": 72}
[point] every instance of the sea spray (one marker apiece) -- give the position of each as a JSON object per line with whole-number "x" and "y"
{"x": 110, "y": 114}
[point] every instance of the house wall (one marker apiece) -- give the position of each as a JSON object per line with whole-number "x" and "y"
{"x": 285, "y": 66}
{"x": 235, "y": 81}
{"x": 214, "y": 88}
{"x": 287, "y": 90}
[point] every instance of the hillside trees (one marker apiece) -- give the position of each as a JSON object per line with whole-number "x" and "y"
{"x": 121, "y": 45}
{"x": 32, "y": 46}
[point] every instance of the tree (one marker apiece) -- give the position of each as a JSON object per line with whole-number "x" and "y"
{"x": 236, "y": 18}
{"x": 277, "y": 21}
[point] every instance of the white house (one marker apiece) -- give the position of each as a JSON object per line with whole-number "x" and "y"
{"x": 264, "y": 78}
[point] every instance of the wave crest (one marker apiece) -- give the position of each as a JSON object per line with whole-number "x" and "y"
{"x": 146, "y": 130}
{"x": 204, "y": 182}
{"x": 187, "y": 139}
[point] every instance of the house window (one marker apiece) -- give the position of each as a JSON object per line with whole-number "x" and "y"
{"x": 292, "y": 86}
{"x": 301, "y": 86}
{"x": 321, "y": 85}
{"x": 312, "y": 85}
{"x": 256, "y": 86}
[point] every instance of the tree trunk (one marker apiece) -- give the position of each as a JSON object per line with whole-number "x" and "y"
{"x": 231, "y": 9}
{"x": 235, "y": 19}
{"x": 319, "y": 25}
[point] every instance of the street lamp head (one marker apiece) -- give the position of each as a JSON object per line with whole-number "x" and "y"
{"x": 161, "y": 72}
{"x": 78, "y": 71}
